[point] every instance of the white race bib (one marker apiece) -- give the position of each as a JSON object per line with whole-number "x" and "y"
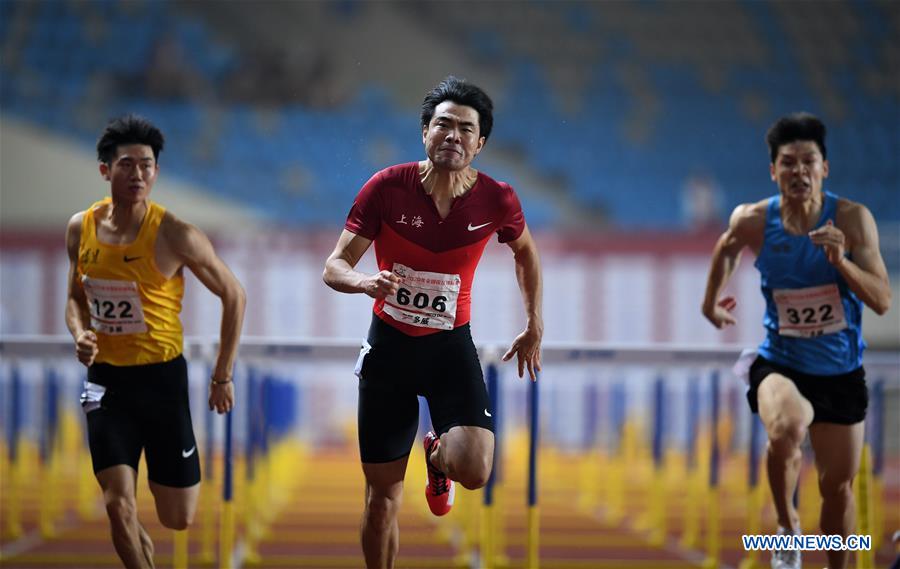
{"x": 809, "y": 312}
{"x": 115, "y": 306}
{"x": 424, "y": 299}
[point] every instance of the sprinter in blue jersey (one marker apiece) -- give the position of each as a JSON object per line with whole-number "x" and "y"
{"x": 818, "y": 259}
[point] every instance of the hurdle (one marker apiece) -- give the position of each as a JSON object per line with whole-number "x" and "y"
{"x": 623, "y": 401}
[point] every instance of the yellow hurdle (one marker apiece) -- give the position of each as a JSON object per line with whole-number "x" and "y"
{"x": 226, "y": 536}
{"x": 534, "y": 529}
{"x": 755, "y": 504}
{"x": 864, "y": 559}
{"x": 14, "y": 502}
{"x": 487, "y": 537}
{"x": 207, "y": 522}
{"x": 180, "y": 549}
{"x": 48, "y": 496}
{"x": 713, "y": 540}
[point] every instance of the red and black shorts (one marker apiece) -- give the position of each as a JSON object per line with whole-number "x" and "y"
{"x": 395, "y": 368}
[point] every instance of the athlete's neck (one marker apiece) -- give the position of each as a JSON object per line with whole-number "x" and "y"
{"x": 120, "y": 216}
{"x": 801, "y": 216}
{"x": 446, "y": 184}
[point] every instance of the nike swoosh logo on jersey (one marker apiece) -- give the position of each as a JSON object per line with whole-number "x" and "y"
{"x": 486, "y": 414}
{"x": 130, "y": 259}
{"x": 187, "y": 453}
{"x": 475, "y": 227}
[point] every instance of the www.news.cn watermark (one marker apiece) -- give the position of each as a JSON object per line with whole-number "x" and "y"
{"x": 807, "y": 542}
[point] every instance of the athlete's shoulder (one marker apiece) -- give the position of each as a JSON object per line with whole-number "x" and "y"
{"x": 75, "y": 221}
{"x": 852, "y": 215}
{"x": 493, "y": 183}
{"x": 502, "y": 191}
{"x": 748, "y": 222}
{"x": 73, "y": 232}
{"x": 749, "y": 214}
{"x": 849, "y": 208}
{"x": 404, "y": 173}
{"x": 172, "y": 226}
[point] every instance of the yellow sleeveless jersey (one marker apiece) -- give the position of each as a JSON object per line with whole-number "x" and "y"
{"x": 134, "y": 308}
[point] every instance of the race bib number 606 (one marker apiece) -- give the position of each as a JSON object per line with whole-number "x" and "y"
{"x": 115, "y": 306}
{"x": 809, "y": 312}
{"x": 424, "y": 299}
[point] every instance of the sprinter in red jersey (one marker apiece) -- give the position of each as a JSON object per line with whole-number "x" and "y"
{"x": 430, "y": 222}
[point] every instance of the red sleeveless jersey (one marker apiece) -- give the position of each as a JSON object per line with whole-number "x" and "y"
{"x": 435, "y": 258}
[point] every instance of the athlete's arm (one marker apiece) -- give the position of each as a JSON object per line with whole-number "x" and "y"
{"x": 864, "y": 272}
{"x": 527, "y": 345}
{"x": 340, "y": 274}
{"x": 745, "y": 229}
{"x": 193, "y": 248}
{"x": 78, "y": 318}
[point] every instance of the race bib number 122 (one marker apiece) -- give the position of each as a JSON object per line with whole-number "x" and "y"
{"x": 115, "y": 306}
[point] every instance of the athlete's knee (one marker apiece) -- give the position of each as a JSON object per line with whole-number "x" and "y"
{"x": 178, "y": 520}
{"x": 786, "y": 433}
{"x": 836, "y": 490}
{"x": 122, "y": 510}
{"x": 475, "y": 473}
{"x": 381, "y": 509}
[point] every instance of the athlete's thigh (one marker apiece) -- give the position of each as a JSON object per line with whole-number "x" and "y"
{"x": 385, "y": 479}
{"x": 388, "y": 409}
{"x": 114, "y": 435}
{"x": 118, "y": 481}
{"x": 779, "y": 397}
{"x": 455, "y": 389}
{"x": 173, "y": 504}
{"x": 170, "y": 444}
{"x": 838, "y": 449}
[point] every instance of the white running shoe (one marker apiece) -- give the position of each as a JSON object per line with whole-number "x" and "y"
{"x": 786, "y": 558}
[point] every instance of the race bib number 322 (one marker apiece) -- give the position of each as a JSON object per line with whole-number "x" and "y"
{"x": 424, "y": 299}
{"x": 115, "y": 306}
{"x": 809, "y": 312}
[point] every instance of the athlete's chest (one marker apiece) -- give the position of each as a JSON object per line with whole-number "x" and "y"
{"x": 468, "y": 220}
{"x": 793, "y": 261}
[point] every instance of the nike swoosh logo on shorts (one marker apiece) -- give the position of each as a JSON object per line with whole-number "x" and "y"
{"x": 130, "y": 259}
{"x": 486, "y": 414}
{"x": 187, "y": 453}
{"x": 474, "y": 227}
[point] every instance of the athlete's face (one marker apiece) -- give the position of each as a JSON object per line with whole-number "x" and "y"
{"x": 799, "y": 170}
{"x": 452, "y": 138}
{"x": 132, "y": 173}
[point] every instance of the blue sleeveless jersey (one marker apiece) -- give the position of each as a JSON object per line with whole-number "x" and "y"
{"x": 790, "y": 262}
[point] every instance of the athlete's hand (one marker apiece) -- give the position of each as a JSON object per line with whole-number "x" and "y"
{"x": 221, "y": 397}
{"x": 832, "y": 241}
{"x": 721, "y": 314}
{"x": 382, "y": 284}
{"x": 527, "y": 348}
{"x": 86, "y": 347}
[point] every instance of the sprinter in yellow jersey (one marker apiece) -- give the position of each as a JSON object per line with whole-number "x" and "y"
{"x": 127, "y": 256}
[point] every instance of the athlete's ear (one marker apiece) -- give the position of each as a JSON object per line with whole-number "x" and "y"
{"x": 424, "y": 133}
{"x": 824, "y": 168}
{"x": 104, "y": 170}
{"x": 772, "y": 171}
{"x": 481, "y": 142}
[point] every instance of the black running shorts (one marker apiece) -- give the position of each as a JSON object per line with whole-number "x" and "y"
{"x": 841, "y": 399}
{"x": 142, "y": 408}
{"x": 394, "y": 368}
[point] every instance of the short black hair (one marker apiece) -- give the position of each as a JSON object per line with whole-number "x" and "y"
{"x": 460, "y": 92}
{"x": 128, "y": 129}
{"x": 794, "y": 127}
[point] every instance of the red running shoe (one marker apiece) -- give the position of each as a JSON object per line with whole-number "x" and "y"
{"x": 439, "y": 491}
